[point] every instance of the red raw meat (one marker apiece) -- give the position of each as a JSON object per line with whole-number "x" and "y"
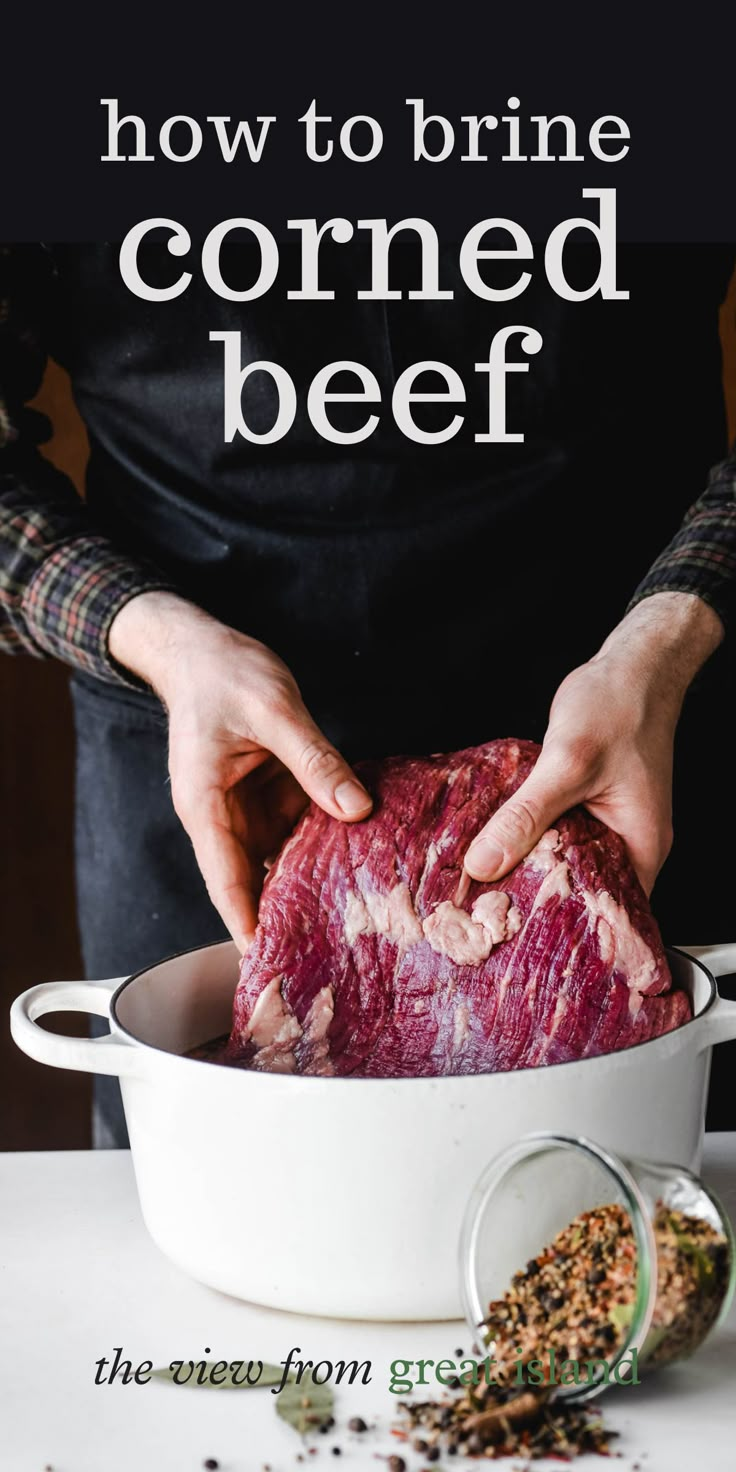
{"x": 376, "y": 956}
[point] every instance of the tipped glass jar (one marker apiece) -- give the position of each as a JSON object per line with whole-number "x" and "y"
{"x": 580, "y": 1269}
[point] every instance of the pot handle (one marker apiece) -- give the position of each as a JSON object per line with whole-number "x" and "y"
{"x": 107, "y": 1054}
{"x": 720, "y": 960}
{"x": 720, "y": 1020}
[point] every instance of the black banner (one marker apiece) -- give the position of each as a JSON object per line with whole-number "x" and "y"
{"x": 669, "y": 83}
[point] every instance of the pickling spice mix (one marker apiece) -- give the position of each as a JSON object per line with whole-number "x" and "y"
{"x": 573, "y": 1303}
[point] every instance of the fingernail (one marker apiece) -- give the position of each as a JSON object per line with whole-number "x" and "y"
{"x": 483, "y": 858}
{"x": 352, "y": 798}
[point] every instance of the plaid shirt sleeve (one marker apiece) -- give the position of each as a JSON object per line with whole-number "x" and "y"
{"x": 61, "y": 583}
{"x": 701, "y": 558}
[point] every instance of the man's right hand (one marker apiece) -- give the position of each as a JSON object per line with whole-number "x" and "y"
{"x": 244, "y": 752}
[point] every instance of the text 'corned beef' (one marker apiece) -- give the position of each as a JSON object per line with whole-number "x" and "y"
{"x": 377, "y": 956}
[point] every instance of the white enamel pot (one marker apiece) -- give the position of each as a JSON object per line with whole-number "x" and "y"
{"x": 345, "y": 1197}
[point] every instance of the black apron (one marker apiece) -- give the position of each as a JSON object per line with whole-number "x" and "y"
{"x": 425, "y": 598}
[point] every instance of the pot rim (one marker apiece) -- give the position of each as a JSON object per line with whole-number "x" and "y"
{"x": 311, "y": 1079}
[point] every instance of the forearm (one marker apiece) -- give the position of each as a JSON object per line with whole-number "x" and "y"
{"x": 158, "y": 634}
{"x": 662, "y": 643}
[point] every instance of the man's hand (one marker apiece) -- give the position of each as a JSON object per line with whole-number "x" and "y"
{"x": 609, "y": 742}
{"x": 244, "y": 753}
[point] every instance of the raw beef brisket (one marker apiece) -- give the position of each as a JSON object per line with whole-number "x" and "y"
{"x": 375, "y": 955}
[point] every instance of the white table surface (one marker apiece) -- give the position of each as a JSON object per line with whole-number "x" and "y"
{"x": 79, "y": 1275}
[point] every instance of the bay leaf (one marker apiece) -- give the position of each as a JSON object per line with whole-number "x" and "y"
{"x": 621, "y": 1315}
{"x": 653, "y": 1340}
{"x": 305, "y": 1405}
{"x": 271, "y": 1375}
{"x": 704, "y": 1264}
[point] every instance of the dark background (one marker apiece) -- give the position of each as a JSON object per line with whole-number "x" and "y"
{"x": 41, "y": 1108}
{"x": 667, "y": 71}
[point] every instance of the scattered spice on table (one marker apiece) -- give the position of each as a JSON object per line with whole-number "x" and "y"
{"x": 511, "y": 1424}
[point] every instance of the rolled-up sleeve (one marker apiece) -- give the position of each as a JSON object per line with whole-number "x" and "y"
{"x": 61, "y": 581}
{"x": 701, "y": 558}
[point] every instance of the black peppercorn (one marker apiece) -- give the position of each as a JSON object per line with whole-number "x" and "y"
{"x": 432, "y": 1454}
{"x": 356, "y": 1423}
{"x": 336, "y": 1451}
{"x": 211, "y": 1464}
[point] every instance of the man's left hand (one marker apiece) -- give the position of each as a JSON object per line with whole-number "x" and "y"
{"x": 610, "y": 738}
